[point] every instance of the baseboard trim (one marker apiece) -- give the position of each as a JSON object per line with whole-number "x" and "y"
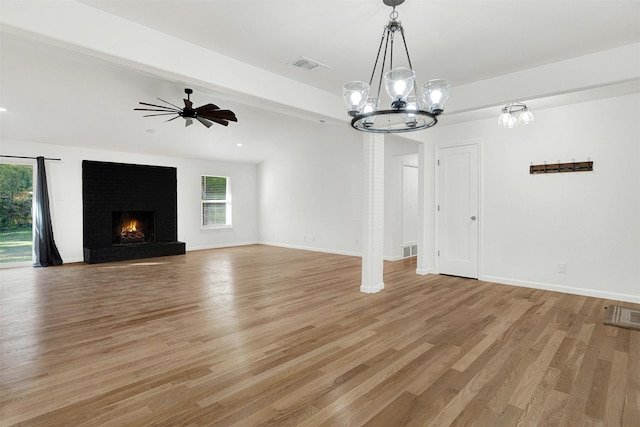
{"x": 564, "y": 289}
{"x": 224, "y": 245}
{"x": 368, "y": 289}
{"x": 288, "y": 246}
{"x": 313, "y": 249}
{"x": 424, "y": 272}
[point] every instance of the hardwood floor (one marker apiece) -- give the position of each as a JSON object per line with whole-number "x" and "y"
{"x": 269, "y": 336}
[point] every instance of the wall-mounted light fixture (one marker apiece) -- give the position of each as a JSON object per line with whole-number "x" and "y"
{"x": 508, "y": 118}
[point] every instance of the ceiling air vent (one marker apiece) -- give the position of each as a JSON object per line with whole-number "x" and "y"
{"x": 308, "y": 64}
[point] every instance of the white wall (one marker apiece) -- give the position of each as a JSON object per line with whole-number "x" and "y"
{"x": 64, "y": 180}
{"x": 308, "y": 195}
{"x": 531, "y": 223}
{"x": 311, "y": 193}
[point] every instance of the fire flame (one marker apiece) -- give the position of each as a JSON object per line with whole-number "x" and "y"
{"x": 130, "y": 227}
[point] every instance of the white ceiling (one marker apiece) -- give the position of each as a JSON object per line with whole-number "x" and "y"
{"x": 59, "y": 94}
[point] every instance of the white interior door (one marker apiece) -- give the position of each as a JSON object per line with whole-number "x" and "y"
{"x": 458, "y": 210}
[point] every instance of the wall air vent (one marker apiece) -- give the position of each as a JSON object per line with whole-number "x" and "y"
{"x": 308, "y": 64}
{"x": 409, "y": 250}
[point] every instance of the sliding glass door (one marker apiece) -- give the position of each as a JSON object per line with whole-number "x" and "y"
{"x": 16, "y": 214}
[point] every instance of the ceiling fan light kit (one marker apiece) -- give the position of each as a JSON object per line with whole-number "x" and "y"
{"x": 206, "y": 114}
{"x": 403, "y": 112}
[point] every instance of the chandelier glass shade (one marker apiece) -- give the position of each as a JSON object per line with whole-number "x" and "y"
{"x": 508, "y": 118}
{"x": 403, "y": 106}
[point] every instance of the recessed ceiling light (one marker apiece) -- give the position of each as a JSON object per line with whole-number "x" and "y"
{"x": 239, "y": 144}
{"x": 2, "y": 109}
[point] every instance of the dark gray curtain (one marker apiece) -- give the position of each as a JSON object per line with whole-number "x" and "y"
{"x": 43, "y": 244}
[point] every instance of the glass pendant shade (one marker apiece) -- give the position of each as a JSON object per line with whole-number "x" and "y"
{"x": 399, "y": 84}
{"x": 435, "y": 93}
{"x": 412, "y": 103}
{"x": 355, "y": 95}
{"x": 507, "y": 121}
{"x": 369, "y": 107}
{"x": 526, "y": 117}
{"x": 411, "y": 108}
{"x": 503, "y": 120}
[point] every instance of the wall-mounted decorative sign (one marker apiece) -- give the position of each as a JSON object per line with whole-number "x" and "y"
{"x": 562, "y": 167}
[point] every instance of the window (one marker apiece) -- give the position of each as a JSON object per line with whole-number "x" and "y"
{"x": 215, "y": 201}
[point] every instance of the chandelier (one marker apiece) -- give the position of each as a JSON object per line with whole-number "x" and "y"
{"x": 407, "y": 107}
{"x": 508, "y": 118}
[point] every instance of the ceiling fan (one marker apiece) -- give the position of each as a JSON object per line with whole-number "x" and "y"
{"x": 207, "y": 114}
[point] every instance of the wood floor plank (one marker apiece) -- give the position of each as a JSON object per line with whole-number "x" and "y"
{"x": 631, "y": 411}
{"x": 261, "y": 335}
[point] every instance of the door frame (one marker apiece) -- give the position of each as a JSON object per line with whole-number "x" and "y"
{"x": 436, "y": 155}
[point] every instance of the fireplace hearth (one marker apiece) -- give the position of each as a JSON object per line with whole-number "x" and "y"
{"x": 129, "y": 212}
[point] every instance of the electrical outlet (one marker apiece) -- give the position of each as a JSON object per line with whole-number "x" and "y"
{"x": 562, "y": 268}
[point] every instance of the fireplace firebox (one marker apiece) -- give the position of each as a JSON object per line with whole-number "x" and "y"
{"x": 133, "y": 227}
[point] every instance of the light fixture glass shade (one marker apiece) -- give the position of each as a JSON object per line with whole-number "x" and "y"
{"x": 411, "y": 108}
{"x": 526, "y": 117}
{"x": 412, "y": 103}
{"x": 503, "y": 120}
{"x": 355, "y": 95}
{"x": 399, "y": 84}
{"x": 369, "y": 107}
{"x": 435, "y": 93}
{"x": 511, "y": 122}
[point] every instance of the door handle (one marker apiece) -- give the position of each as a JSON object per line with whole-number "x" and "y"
{"x": 473, "y": 218}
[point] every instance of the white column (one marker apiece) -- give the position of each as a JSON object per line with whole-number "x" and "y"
{"x": 372, "y": 212}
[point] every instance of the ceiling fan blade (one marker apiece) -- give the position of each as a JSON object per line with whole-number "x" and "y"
{"x": 219, "y": 121}
{"x": 188, "y": 104}
{"x": 171, "y": 119}
{"x": 207, "y": 107}
{"x": 188, "y": 121}
{"x": 158, "y": 106}
{"x": 159, "y": 114}
{"x": 152, "y": 109}
{"x": 167, "y": 102}
{"x": 205, "y": 122}
{"x": 220, "y": 114}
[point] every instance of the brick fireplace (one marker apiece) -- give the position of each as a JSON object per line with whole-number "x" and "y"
{"x": 129, "y": 211}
